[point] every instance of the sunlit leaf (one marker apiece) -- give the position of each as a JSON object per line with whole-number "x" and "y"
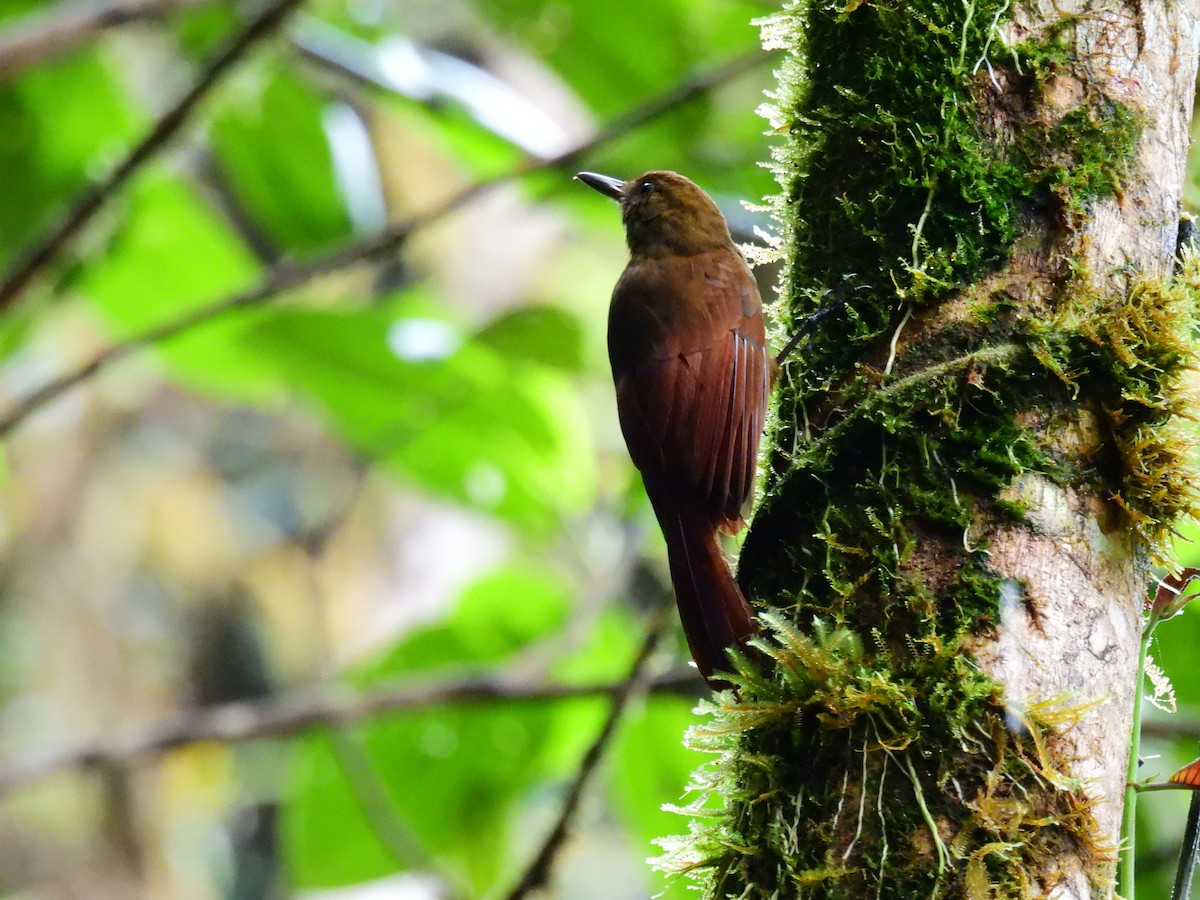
{"x": 273, "y": 148}
{"x": 452, "y": 778}
{"x": 1175, "y": 645}
{"x": 640, "y": 45}
{"x": 538, "y": 333}
{"x": 62, "y": 123}
{"x": 479, "y": 426}
{"x": 172, "y": 253}
{"x": 15, "y": 10}
{"x": 651, "y": 767}
{"x": 493, "y": 618}
{"x": 202, "y": 28}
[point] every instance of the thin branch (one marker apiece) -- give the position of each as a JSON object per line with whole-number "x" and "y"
{"x": 1185, "y": 871}
{"x": 538, "y": 872}
{"x": 46, "y": 248}
{"x": 288, "y": 276}
{"x": 68, "y": 26}
{"x": 1185, "y": 725}
{"x": 215, "y": 187}
{"x": 284, "y": 716}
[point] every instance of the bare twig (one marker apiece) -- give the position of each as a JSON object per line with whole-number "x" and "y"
{"x": 287, "y": 276}
{"x": 290, "y": 715}
{"x": 538, "y": 872}
{"x": 46, "y": 248}
{"x": 1188, "y": 852}
{"x": 1185, "y": 725}
{"x": 68, "y": 26}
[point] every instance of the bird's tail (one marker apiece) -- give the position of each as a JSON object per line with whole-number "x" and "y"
{"x": 715, "y": 615}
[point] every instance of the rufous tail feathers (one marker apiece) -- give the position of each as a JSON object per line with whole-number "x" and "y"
{"x": 715, "y": 615}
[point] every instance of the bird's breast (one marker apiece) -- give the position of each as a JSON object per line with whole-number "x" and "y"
{"x": 677, "y": 305}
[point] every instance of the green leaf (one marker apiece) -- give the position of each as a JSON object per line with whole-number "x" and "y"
{"x": 327, "y": 839}
{"x": 172, "y": 253}
{"x": 542, "y": 334}
{"x": 479, "y": 426}
{"x": 611, "y": 646}
{"x": 494, "y": 618}
{"x": 14, "y": 10}
{"x": 1175, "y": 643}
{"x": 453, "y": 777}
{"x": 645, "y": 47}
{"x": 62, "y": 122}
{"x": 272, "y": 147}
{"x": 648, "y": 763}
{"x": 452, "y": 133}
{"x": 640, "y": 45}
{"x": 201, "y": 29}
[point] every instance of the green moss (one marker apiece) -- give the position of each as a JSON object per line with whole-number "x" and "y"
{"x": 993, "y": 310}
{"x": 890, "y": 181}
{"x": 871, "y": 742}
{"x": 1136, "y": 354}
{"x": 830, "y": 706}
{"x": 1053, "y": 52}
{"x": 886, "y": 173}
{"x": 1010, "y": 510}
{"x": 1093, "y": 146}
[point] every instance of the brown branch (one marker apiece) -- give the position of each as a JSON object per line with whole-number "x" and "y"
{"x": 537, "y": 874}
{"x": 1185, "y": 725}
{"x": 45, "y": 35}
{"x": 287, "y": 276}
{"x": 233, "y": 723}
{"x": 46, "y": 248}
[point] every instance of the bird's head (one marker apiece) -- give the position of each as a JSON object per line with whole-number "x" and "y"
{"x": 664, "y": 213}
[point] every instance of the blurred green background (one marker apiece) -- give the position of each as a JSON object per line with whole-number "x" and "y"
{"x": 405, "y": 471}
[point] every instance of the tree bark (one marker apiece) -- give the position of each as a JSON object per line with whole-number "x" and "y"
{"x": 974, "y": 466}
{"x": 1080, "y": 561}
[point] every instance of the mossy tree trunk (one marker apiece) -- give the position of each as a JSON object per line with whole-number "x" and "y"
{"x": 974, "y": 461}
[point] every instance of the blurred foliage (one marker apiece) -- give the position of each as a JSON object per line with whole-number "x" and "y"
{"x": 59, "y": 122}
{"x": 406, "y": 470}
{"x": 330, "y": 838}
{"x": 286, "y": 187}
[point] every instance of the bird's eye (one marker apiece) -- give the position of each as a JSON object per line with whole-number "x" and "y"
{"x": 646, "y": 187}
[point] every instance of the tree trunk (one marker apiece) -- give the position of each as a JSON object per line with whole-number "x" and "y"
{"x": 974, "y": 460}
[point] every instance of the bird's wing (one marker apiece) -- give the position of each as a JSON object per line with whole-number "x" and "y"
{"x": 692, "y": 395}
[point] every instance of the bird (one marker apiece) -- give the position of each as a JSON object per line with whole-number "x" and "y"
{"x": 692, "y": 373}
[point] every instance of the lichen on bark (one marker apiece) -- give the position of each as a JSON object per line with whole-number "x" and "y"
{"x": 984, "y": 395}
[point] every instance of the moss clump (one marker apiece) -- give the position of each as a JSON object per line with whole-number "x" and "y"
{"x": 1091, "y": 148}
{"x": 902, "y": 176}
{"x": 1136, "y": 354}
{"x": 886, "y": 172}
{"x": 918, "y": 152}
{"x": 1010, "y": 510}
{"x": 829, "y": 706}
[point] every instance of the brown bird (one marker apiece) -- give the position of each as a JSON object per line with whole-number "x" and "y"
{"x": 692, "y": 373}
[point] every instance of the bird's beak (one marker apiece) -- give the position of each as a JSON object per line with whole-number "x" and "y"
{"x": 608, "y": 186}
